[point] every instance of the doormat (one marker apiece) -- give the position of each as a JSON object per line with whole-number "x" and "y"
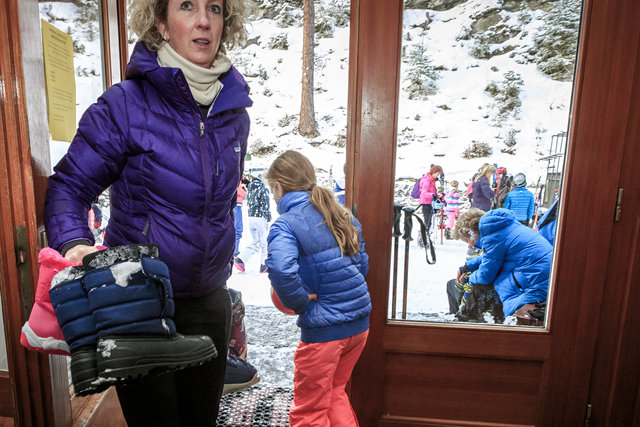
{"x": 256, "y": 406}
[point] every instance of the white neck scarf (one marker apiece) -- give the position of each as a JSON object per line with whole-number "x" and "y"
{"x": 203, "y": 82}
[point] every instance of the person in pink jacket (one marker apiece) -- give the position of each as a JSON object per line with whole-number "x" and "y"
{"x": 427, "y": 192}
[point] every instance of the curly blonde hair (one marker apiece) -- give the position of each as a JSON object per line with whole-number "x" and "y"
{"x": 144, "y": 14}
{"x": 466, "y": 227}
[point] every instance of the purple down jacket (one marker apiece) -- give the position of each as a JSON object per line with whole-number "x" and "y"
{"x": 173, "y": 175}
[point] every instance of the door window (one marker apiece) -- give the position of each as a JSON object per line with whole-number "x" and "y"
{"x": 484, "y": 109}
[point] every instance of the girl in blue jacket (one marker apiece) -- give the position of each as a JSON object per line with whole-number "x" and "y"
{"x": 317, "y": 266}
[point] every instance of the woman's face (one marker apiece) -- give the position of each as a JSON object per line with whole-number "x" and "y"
{"x": 193, "y": 29}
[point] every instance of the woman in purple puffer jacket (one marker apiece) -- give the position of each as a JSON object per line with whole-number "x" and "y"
{"x": 483, "y": 194}
{"x": 170, "y": 141}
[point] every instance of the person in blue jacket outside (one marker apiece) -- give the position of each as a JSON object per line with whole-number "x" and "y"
{"x": 520, "y": 200}
{"x": 170, "y": 141}
{"x": 547, "y": 226}
{"x": 515, "y": 259}
{"x": 317, "y": 266}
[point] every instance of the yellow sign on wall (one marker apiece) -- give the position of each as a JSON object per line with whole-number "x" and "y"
{"x": 60, "y": 80}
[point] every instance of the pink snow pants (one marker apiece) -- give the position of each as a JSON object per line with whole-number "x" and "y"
{"x": 451, "y": 219}
{"x": 321, "y": 373}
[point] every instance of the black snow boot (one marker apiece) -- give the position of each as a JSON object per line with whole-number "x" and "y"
{"x": 132, "y": 307}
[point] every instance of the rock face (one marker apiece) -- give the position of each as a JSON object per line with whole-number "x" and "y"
{"x": 432, "y": 4}
{"x": 510, "y": 5}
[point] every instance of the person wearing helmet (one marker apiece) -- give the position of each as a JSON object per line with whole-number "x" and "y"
{"x": 520, "y": 200}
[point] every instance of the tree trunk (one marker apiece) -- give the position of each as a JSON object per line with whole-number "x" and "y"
{"x": 307, "y": 126}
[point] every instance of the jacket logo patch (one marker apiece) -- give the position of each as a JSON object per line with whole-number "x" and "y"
{"x": 236, "y": 149}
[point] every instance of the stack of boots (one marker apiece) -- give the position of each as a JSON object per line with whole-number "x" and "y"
{"x": 128, "y": 295}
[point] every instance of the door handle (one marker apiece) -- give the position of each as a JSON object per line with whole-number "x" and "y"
{"x": 24, "y": 274}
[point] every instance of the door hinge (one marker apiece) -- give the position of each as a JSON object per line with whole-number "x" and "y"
{"x": 618, "y": 213}
{"x": 24, "y": 274}
{"x": 587, "y": 417}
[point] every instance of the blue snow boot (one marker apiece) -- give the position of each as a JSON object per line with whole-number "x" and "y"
{"x": 132, "y": 307}
{"x": 71, "y": 305}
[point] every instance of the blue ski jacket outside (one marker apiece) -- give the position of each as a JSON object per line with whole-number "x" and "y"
{"x": 516, "y": 260}
{"x": 304, "y": 258}
{"x": 547, "y": 226}
{"x": 173, "y": 175}
{"x": 520, "y": 201}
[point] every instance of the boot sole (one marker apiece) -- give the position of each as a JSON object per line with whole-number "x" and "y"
{"x": 232, "y": 388}
{"x": 118, "y": 367}
{"x": 84, "y": 374}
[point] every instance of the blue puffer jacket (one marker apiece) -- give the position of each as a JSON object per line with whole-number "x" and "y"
{"x": 516, "y": 260}
{"x": 520, "y": 201}
{"x": 173, "y": 175}
{"x": 304, "y": 258}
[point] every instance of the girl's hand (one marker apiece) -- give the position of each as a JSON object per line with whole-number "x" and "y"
{"x": 313, "y": 297}
{"x": 76, "y": 253}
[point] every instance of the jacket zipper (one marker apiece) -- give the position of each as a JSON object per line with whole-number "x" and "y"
{"x": 207, "y": 188}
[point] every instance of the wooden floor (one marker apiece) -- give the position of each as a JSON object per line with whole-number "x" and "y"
{"x": 84, "y": 413}
{"x": 109, "y": 414}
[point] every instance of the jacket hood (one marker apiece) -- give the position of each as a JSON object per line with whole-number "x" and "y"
{"x": 292, "y": 199}
{"x": 172, "y": 84}
{"x": 495, "y": 220}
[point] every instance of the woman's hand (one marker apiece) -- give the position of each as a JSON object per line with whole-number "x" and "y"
{"x": 313, "y": 297}
{"x": 76, "y": 253}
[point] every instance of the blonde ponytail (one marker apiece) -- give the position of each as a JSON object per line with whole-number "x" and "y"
{"x": 295, "y": 172}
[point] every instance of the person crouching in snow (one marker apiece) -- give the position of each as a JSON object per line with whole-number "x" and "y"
{"x": 317, "y": 266}
{"x": 516, "y": 259}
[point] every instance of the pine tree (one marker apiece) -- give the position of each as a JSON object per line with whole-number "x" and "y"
{"x": 421, "y": 74}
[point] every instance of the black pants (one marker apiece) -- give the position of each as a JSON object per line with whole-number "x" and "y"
{"x": 455, "y": 296}
{"x": 427, "y": 213}
{"x": 191, "y": 396}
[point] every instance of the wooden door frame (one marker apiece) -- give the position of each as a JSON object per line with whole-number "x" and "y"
{"x": 614, "y": 394}
{"x": 33, "y": 393}
{"x": 609, "y": 43}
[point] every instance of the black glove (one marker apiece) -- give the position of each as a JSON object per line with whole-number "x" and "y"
{"x": 464, "y": 269}
{"x": 539, "y": 312}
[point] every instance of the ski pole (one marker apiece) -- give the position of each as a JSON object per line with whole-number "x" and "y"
{"x": 428, "y": 244}
{"x": 537, "y": 215}
{"x": 408, "y": 226}
{"x": 397, "y": 213}
{"x": 442, "y": 225}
